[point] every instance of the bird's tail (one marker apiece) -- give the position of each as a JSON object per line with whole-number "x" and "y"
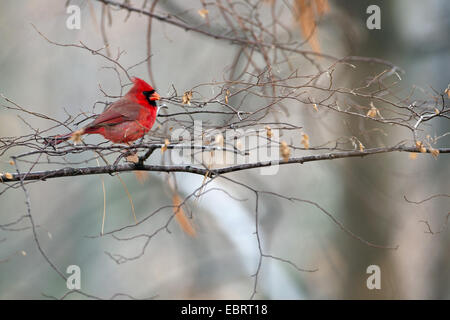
{"x": 55, "y": 140}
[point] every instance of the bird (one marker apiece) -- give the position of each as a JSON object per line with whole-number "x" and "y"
{"x": 124, "y": 121}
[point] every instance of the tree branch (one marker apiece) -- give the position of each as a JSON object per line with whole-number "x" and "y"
{"x": 244, "y": 41}
{"x": 111, "y": 169}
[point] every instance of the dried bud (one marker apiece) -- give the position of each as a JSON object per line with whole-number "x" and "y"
{"x": 227, "y": 93}
{"x": 285, "y": 151}
{"x": 305, "y": 140}
{"x": 187, "y": 97}
{"x": 164, "y": 147}
{"x": 203, "y": 13}
{"x": 420, "y": 146}
{"x": 434, "y": 152}
{"x": 361, "y": 147}
{"x": 269, "y": 132}
{"x": 372, "y": 113}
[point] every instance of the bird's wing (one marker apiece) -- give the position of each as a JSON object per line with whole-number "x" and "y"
{"x": 118, "y": 112}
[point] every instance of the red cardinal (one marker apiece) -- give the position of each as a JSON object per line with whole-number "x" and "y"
{"x": 124, "y": 121}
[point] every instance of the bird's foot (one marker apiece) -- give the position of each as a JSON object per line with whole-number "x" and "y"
{"x": 129, "y": 156}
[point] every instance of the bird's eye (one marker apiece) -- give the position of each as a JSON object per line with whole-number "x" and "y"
{"x": 148, "y": 93}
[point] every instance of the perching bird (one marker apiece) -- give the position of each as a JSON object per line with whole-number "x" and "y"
{"x": 125, "y": 120}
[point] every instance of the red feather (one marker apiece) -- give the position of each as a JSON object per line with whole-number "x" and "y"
{"x": 124, "y": 121}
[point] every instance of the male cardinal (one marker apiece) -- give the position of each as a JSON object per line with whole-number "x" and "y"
{"x": 125, "y": 120}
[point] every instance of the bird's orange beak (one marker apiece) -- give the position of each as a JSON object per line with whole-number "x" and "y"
{"x": 155, "y": 96}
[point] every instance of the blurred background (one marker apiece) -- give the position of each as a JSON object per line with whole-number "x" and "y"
{"x": 367, "y": 195}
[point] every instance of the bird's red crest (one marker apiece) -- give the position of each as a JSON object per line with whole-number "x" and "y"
{"x": 137, "y": 89}
{"x": 141, "y": 85}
